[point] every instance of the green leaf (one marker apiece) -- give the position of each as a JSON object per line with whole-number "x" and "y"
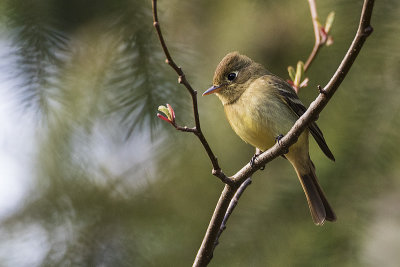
{"x": 292, "y": 73}
{"x": 329, "y": 21}
{"x": 165, "y": 110}
{"x": 299, "y": 73}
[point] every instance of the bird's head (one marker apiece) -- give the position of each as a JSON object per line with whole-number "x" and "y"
{"x": 233, "y": 75}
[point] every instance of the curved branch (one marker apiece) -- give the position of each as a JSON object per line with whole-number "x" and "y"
{"x": 226, "y": 204}
{"x": 232, "y": 206}
{"x": 318, "y": 44}
{"x": 182, "y": 80}
{"x": 315, "y": 108}
{"x": 205, "y": 252}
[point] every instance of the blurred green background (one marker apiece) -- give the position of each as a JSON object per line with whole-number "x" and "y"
{"x": 91, "y": 177}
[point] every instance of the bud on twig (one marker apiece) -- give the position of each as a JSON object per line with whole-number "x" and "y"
{"x": 169, "y": 112}
{"x": 323, "y": 31}
{"x": 296, "y": 77}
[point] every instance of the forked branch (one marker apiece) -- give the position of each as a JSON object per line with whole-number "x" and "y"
{"x": 205, "y": 252}
{"x": 233, "y": 184}
{"x": 317, "y": 35}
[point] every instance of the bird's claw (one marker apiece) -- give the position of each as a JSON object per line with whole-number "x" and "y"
{"x": 278, "y": 139}
{"x": 253, "y": 159}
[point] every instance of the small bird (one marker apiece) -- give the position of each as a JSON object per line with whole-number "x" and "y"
{"x": 261, "y": 108}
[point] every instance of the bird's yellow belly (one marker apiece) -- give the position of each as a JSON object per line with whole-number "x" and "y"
{"x": 254, "y": 133}
{"x": 257, "y": 127}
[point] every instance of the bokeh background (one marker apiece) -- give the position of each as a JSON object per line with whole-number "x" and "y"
{"x": 89, "y": 176}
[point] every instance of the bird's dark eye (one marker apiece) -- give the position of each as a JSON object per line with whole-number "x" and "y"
{"x": 231, "y": 76}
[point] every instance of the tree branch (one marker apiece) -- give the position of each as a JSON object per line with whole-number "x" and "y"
{"x": 232, "y": 206}
{"x": 318, "y": 43}
{"x": 182, "y": 80}
{"x": 205, "y": 252}
{"x": 235, "y": 185}
{"x": 226, "y": 204}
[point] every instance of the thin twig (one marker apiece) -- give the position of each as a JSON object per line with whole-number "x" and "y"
{"x": 232, "y": 206}
{"x": 364, "y": 30}
{"x": 318, "y": 44}
{"x": 182, "y": 80}
{"x": 206, "y": 250}
{"x": 185, "y": 129}
{"x": 227, "y": 201}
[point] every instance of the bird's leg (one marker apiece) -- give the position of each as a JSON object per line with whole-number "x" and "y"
{"x": 253, "y": 159}
{"x": 278, "y": 140}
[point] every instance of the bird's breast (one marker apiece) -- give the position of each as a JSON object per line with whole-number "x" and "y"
{"x": 257, "y": 124}
{"x": 260, "y": 115}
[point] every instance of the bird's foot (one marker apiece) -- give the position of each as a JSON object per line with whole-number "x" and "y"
{"x": 253, "y": 159}
{"x": 278, "y": 139}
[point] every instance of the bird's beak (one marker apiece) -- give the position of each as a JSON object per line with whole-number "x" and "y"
{"x": 212, "y": 89}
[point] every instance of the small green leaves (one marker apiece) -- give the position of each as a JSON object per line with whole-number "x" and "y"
{"x": 299, "y": 72}
{"x": 168, "y": 112}
{"x": 296, "y": 77}
{"x": 323, "y": 31}
{"x": 292, "y": 73}
{"x": 329, "y": 21}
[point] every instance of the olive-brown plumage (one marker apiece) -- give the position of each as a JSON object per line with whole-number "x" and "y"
{"x": 260, "y": 107}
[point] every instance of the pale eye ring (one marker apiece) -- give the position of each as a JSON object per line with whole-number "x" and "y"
{"x": 231, "y": 76}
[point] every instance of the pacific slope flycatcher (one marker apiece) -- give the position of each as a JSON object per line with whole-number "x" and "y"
{"x": 262, "y": 107}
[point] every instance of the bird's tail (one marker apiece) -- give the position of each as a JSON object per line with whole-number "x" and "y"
{"x": 320, "y": 209}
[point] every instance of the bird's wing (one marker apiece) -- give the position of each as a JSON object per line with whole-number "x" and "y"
{"x": 292, "y": 100}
